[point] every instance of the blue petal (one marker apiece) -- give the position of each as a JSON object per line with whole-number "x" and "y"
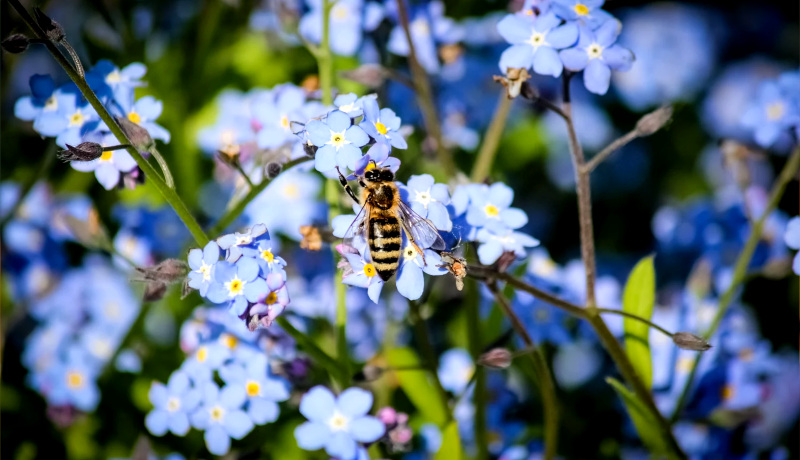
{"x": 547, "y": 62}
{"x": 488, "y": 253}
{"x": 156, "y": 422}
{"x": 514, "y": 218}
{"x": 500, "y": 195}
{"x": 374, "y": 290}
{"x": 179, "y": 424}
{"x": 574, "y": 59}
{"x": 398, "y": 141}
{"x": 217, "y": 293}
{"x": 341, "y": 445}
{"x": 312, "y": 435}
{"x": 564, "y": 36}
{"x": 514, "y": 30}
{"x": 618, "y": 58}
{"x": 348, "y": 156}
{"x": 325, "y": 159}
{"x": 597, "y": 77}
{"x": 367, "y": 429}
{"x": 437, "y": 213}
{"x": 238, "y": 424}
{"x": 318, "y": 132}
{"x": 517, "y": 56}
{"x": 410, "y": 281}
{"x": 262, "y": 411}
{"x": 211, "y": 253}
{"x": 608, "y": 32}
{"x": 24, "y": 109}
{"x": 255, "y": 290}
{"x": 232, "y": 396}
{"x": 217, "y": 440}
{"x": 195, "y": 258}
{"x": 357, "y": 136}
{"x": 158, "y": 394}
{"x": 247, "y": 269}
{"x": 318, "y": 404}
{"x": 354, "y": 402}
{"x": 338, "y": 121}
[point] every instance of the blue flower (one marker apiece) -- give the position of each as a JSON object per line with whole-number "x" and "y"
{"x": 107, "y": 80}
{"x": 429, "y": 28}
{"x": 202, "y": 263}
{"x": 543, "y": 321}
{"x": 586, "y": 12}
{"x": 337, "y": 424}
{"x": 208, "y": 357}
{"x": 266, "y": 258}
{"x": 275, "y": 111}
{"x": 597, "y": 54}
{"x": 493, "y": 245}
{"x": 455, "y": 370}
{"x": 363, "y": 275}
{"x": 143, "y": 112}
{"x": 792, "y": 239}
{"x": 263, "y": 390}
{"x": 289, "y": 201}
{"x": 535, "y": 44}
{"x": 774, "y": 111}
{"x": 345, "y": 25}
{"x": 69, "y": 121}
{"x": 172, "y": 403}
{"x": 110, "y": 167}
{"x": 237, "y": 283}
{"x": 429, "y": 200}
{"x": 350, "y": 104}
{"x": 234, "y": 242}
{"x": 382, "y": 125}
{"x": 339, "y": 143}
{"x": 42, "y": 99}
{"x": 221, "y": 416}
{"x": 74, "y": 382}
{"x": 410, "y": 282}
{"x": 272, "y": 302}
{"x": 489, "y": 206}
{"x": 379, "y": 155}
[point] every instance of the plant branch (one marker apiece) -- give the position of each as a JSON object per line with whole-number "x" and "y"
{"x": 788, "y": 173}
{"x": 486, "y": 155}
{"x": 164, "y": 167}
{"x": 637, "y": 318}
{"x": 546, "y": 383}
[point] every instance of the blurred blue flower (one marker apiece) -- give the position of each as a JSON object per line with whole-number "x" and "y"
{"x": 455, "y": 370}
{"x": 598, "y": 55}
{"x": 489, "y": 207}
{"x": 237, "y": 283}
{"x": 429, "y": 28}
{"x": 774, "y": 111}
{"x": 275, "y": 111}
{"x": 263, "y": 390}
{"x": 202, "y": 263}
{"x": 43, "y": 99}
{"x": 378, "y": 154}
{"x": 348, "y": 19}
{"x": 206, "y": 359}
{"x": 429, "y": 200}
{"x": 792, "y": 239}
{"x": 221, "y": 416}
{"x": 382, "y": 125}
{"x": 585, "y": 12}
{"x": 340, "y": 143}
{"x": 544, "y": 322}
{"x": 534, "y": 44}
{"x": 172, "y": 403}
{"x": 337, "y": 423}
{"x": 271, "y": 303}
{"x": 109, "y": 168}
{"x": 73, "y": 382}
{"x": 289, "y": 201}
{"x": 69, "y": 121}
{"x": 493, "y": 245}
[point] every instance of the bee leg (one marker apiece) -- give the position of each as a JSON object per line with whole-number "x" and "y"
{"x": 413, "y": 243}
{"x": 343, "y": 181}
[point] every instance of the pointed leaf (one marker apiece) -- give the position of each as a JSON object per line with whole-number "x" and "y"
{"x": 451, "y": 444}
{"x": 643, "y": 420}
{"x": 639, "y": 298}
{"x": 417, "y": 384}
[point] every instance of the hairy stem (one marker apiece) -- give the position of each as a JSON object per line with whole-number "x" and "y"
{"x": 424, "y": 93}
{"x": 546, "y": 384}
{"x": 788, "y": 173}
{"x": 610, "y": 148}
{"x": 486, "y": 155}
{"x": 164, "y": 167}
{"x": 169, "y": 194}
{"x": 637, "y": 318}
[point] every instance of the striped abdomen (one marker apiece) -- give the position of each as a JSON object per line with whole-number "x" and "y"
{"x": 384, "y": 244}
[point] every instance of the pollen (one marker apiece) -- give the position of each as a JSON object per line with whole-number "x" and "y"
{"x": 252, "y": 388}
{"x": 106, "y": 156}
{"x": 338, "y": 422}
{"x": 267, "y": 255}
{"x": 235, "y": 287}
{"x": 134, "y": 117}
{"x": 76, "y": 119}
{"x": 381, "y": 128}
{"x": 75, "y": 379}
{"x": 491, "y": 210}
{"x": 581, "y": 9}
{"x": 594, "y": 51}
{"x": 369, "y": 270}
{"x": 775, "y": 110}
{"x": 217, "y": 414}
{"x": 271, "y": 298}
{"x": 202, "y": 354}
{"x": 173, "y": 404}
{"x": 229, "y": 340}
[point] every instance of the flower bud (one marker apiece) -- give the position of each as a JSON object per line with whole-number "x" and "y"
{"x": 167, "y": 271}
{"x": 272, "y": 169}
{"x": 654, "y": 121}
{"x": 154, "y": 290}
{"x": 369, "y": 373}
{"x": 16, "y": 43}
{"x": 90, "y": 233}
{"x": 496, "y": 358}
{"x": 86, "y": 151}
{"x": 513, "y": 80}
{"x": 139, "y": 137}
{"x": 689, "y": 341}
{"x": 53, "y": 29}
{"x": 370, "y": 75}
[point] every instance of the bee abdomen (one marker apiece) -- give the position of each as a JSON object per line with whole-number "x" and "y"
{"x": 384, "y": 245}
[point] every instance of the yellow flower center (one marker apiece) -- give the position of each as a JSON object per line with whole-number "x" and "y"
{"x": 202, "y": 354}
{"x": 684, "y": 364}
{"x": 491, "y": 210}
{"x": 75, "y": 379}
{"x": 728, "y": 392}
{"x": 291, "y": 191}
{"x": 173, "y": 404}
{"x": 114, "y": 77}
{"x": 76, "y": 119}
{"x": 337, "y": 139}
{"x": 267, "y": 255}
{"x": 106, "y": 156}
{"x": 594, "y": 51}
{"x": 381, "y": 128}
{"x": 369, "y": 270}
{"x": 339, "y": 12}
{"x": 285, "y": 122}
{"x": 775, "y": 110}
{"x": 271, "y": 298}
{"x": 134, "y": 117}
{"x": 338, "y": 422}
{"x": 529, "y": 12}
{"x": 253, "y": 388}
{"x": 581, "y": 9}
{"x": 229, "y": 340}
{"x": 205, "y": 270}
{"x": 234, "y": 287}
{"x": 217, "y": 414}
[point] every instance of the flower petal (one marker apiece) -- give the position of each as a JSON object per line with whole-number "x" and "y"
{"x": 318, "y": 404}
{"x": 312, "y": 435}
{"x": 367, "y": 429}
{"x": 354, "y": 402}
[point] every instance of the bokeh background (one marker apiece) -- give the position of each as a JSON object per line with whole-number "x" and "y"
{"x": 672, "y": 194}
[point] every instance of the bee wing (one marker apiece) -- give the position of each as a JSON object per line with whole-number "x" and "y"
{"x": 357, "y": 228}
{"x": 421, "y": 229}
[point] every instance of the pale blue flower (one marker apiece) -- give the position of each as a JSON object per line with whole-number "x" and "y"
{"x": 237, "y": 283}
{"x": 455, "y": 370}
{"x": 597, "y": 54}
{"x": 263, "y": 390}
{"x": 172, "y": 403}
{"x": 338, "y": 140}
{"x": 202, "y": 263}
{"x": 382, "y": 125}
{"x": 429, "y": 200}
{"x": 535, "y": 44}
{"x": 221, "y": 416}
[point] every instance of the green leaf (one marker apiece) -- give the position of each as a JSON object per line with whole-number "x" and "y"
{"x": 646, "y": 425}
{"x": 451, "y": 444}
{"x": 417, "y": 385}
{"x": 639, "y": 298}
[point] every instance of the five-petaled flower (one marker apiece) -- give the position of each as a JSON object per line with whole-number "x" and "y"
{"x": 534, "y": 44}
{"x": 338, "y": 140}
{"x": 597, "y": 53}
{"x": 237, "y": 283}
{"x": 172, "y": 403}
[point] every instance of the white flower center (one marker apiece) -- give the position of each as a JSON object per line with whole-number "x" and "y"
{"x": 776, "y": 110}
{"x": 217, "y": 414}
{"x": 205, "y": 270}
{"x": 173, "y": 404}
{"x": 338, "y": 140}
{"x": 537, "y": 39}
{"x": 114, "y": 77}
{"x": 424, "y": 198}
{"x": 595, "y": 51}
{"x": 420, "y": 28}
{"x": 102, "y": 348}
{"x": 348, "y": 107}
{"x": 77, "y": 118}
{"x": 51, "y": 103}
{"x": 410, "y": 252}
{"x": 338, "y": 422}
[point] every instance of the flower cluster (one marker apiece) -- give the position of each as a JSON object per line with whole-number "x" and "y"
{"x": 219, "y": 349}
{"x": 65, "y": 114}
{"x": 250, "y": 279}
{"x": 70, "y": 347}
{"x": 573, "y": 34}
{"x": 774, "y": 115}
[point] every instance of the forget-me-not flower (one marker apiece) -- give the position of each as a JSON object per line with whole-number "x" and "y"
{"x": 429, "y": 200}
{"x": 202, "y": 264}
{"x": 535, "y": 44}
{"x": 586, "y": 12}
{"x": 237, "y": 283}
{"x": 597, "y": 54}
{"x": 455, "y": 370}
{"x": 772, "y": 113}
{"x": 110, "y": 167}
{"x": 263, "y": 390}
{"x": 382, "y": 125}
{"x": 363, "y": 275}
{"x": 221, "y": 416}
{"x": 337, "y": 424}
{"x": 338, "y": 140}
{"x": 144, "y": 112}
{"x": 493, "y": 245}
{"x": 489, "y": 206}
{"x": 378, "y": 154}
{"x": 172, "y": 403}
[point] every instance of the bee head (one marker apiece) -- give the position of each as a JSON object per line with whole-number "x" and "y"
{"x": 379, "y": 175}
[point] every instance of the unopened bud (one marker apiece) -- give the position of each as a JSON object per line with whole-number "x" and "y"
{"x": 505, "y": 260}
{"x": 368, "y": 374}
{"x": 16, "y": 43}
{"x": 272, "y": 169}
{"x": 86, "y": 151}
{"x": 167, "y": 271}
{"x": 53, "y": 29}
{"x": 154, "y": 290}
{"x": 370, "y": 75}
{"x": 497, "y": 358}
{"x": 654, "y": 121}
{"x": 139, "y": 137}
{"x": 689, "y": 341}
{"x": 228, "y": 157}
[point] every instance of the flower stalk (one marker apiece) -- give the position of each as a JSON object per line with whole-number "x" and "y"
{"x": 488, "y": 151}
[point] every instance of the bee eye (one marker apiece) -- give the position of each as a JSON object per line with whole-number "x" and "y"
{"x": 387, "y": 176}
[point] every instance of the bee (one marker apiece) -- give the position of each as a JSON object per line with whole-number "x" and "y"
{"x": 384, "y": 218}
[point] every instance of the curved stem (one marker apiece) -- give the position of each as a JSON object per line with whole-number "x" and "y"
{"x": 169, "y": 194}
{"x": 164, "y": 167}
{"x": 486, "y": 155}
{"x": 788, "y": 173}
{"x": 637, "y": 318}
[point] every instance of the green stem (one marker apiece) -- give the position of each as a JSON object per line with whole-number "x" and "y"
{"x": 323, "y": 55}
{"x": 332, "y": 196}
{"x": 486, "y": 156}
{"x": 545, "y": 378}
{"x": 322, "y": 358}
{"x": 476, "y": 347}
{"x": 164, "y": 167}
{"x": 233, "y": 213}
{"x": 169, "y": 194}
{"x": 238, "y": 167}
{"x": 426, "y": 348}
{"x": 637, "y": 318}
{"x": 788, "y": 173}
